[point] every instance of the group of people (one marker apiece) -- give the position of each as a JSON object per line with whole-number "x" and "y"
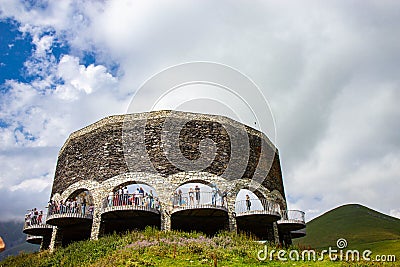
{"x": 194, "y": 197}
{"x": 77, "y": 205}
{"x": 34, "y": 216}
{"x": 138, "y": 198}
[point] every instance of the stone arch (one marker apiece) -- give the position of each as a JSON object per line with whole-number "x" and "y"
{"x": 276, "y": 196}
{"x": 153, "y": 180}
{"x": 89, "y": 185}
{"x": 206, "y": 178}
{"x": 56, "y": 197}
{"x": 258, "y": 189}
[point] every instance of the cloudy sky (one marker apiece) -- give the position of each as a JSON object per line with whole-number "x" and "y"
{"x": 330, "y": 72}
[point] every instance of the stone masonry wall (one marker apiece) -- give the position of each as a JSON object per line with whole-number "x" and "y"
{"x": 98, "y": 152}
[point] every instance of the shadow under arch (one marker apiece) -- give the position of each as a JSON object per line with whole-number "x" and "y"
{"x": 197, "y": 205}
{"x": 125, "y": 209}
{"x": 255, "y": 214}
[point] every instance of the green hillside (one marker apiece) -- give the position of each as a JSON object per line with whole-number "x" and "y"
{"x": 362, "y": 227}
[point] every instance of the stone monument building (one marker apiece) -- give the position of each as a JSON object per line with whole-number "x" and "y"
{"x": 188, "y": 169}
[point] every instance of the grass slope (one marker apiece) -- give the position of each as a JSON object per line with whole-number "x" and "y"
{"x": 362, "y": 227}
{"x": 158, "y": 248}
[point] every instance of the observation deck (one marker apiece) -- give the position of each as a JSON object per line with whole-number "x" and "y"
{"x": 291, "y": 220}
{"x": 255, "y": 216}
{"x": 37, "y": 228}
{"x": 129, "y": 212}
{"x": 75, "y": 224}
{"x": 202, "y": 211}
{"x": 265, "y": 210}
{"x": 68, "y": 218}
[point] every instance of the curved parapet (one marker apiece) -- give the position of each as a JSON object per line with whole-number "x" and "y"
{"x": 38, "y": 229}
{"x": 258, "y": 207}
{"x": 292, "y": 220}
{"x": 196, "y": 202}
{"x": 68, "y": 218}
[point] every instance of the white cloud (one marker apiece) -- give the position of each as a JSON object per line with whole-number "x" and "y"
{"x": 79, "y": 78}
{"x": 29, "y": 185}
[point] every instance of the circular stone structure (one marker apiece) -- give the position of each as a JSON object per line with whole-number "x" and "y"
{"x": 147, "y": 149}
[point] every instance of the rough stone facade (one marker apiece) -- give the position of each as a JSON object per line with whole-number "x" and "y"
{"x": 106, "y": 154}
{"x": 97, "y": 151}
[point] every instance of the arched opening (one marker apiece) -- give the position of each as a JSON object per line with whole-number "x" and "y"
{"x": 199, "y": 206}
{"x": 130, "y": 206}
{"x": 255, "y": 215}
{"x": 73, "y": 216}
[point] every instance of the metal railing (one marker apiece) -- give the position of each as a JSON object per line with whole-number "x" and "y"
{"x": 256, "y": 206}
{"x": 196, "y": 200}
{"x": 62, "y": 211}
{"x": 36, "y": 221}
{"x": 131, "y": 202}
{"x": 292, "y": 216}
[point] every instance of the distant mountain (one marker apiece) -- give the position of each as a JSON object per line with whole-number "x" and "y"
{"x": 15, "y": 240}
{"x": 362, "y": 227}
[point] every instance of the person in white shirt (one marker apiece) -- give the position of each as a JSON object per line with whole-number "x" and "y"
{"x": 126, "y": 195}
{"x": 137, "y": 197}
{"x": 110, "y": 198}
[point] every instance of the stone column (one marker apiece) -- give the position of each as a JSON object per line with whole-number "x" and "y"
{"x": 231, "y": 213}
{"x": 276, "y": 233}
{"x": 56, "y": 238}
{"x": 270, "y": 232}
{"x": 165, "y": 220}
{"x": 46, "y": 240}
{"x": 164, "y": 196}
{"x": 98, "y": 195}
{"x": 94, "y": 235}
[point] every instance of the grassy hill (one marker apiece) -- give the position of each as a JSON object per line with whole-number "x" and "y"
{"x": 11, "y": 232}
{"x": 362, "y": 227}
{"x": 158, "y": 248}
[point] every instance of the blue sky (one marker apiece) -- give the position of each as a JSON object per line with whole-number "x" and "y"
{"x": 330, "y": 72}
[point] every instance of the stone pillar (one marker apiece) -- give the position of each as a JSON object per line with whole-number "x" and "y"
{"x": 46, "y": 240}
{"x": 56, "y": 238}
{"x": 164, "y": 197}
{"x": 270, "y": 232}
{"x": 276, "y": 233}
{"x": 231, "y": 213}
{"x": 165, "y": 220}
{"x": 96, "y": 224}
{"x": 98, "y": 195}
